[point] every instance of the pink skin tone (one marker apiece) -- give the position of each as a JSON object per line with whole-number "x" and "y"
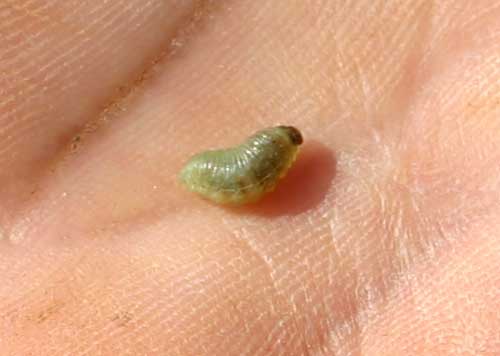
{"x": 383, "y": 240}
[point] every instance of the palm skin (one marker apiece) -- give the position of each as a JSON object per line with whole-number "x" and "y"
{"x": 383, "y": 240}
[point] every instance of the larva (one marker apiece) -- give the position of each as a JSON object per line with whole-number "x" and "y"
{"x": 244, "y": 173}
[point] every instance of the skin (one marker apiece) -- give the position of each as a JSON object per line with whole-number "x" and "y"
{"x": 383, "y": 241}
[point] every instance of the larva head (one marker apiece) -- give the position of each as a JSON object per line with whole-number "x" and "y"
{"x": 293, "y": 134}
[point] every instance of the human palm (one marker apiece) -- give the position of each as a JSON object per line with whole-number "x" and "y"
{"x": 383, "y": 239}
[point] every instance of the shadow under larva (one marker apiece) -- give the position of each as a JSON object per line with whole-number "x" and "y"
{"x": 244, "y": 173}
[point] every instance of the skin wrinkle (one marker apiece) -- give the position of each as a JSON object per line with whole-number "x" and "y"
{"x": 320, "y": 340}
{"x": 389, "y": 214}
{"x": 284, "y": 102}
{"x": 430, "y": 277}
{"x": 336, "y": 322}
{"x": 443, "y": 129}
{"x": 49, "y": 68}
{"x": 186, "y": 28}
{"x": 268, "y": 264}
{"x": 400, "y": 105}
{"x": 265, "y": 262}
{"x": 296, "y": 340}
{"x": 51, "y": 64}
{"x": 324, "y": 323}
{"x": 57, "y": 157}
{"x": 182, "y": 276}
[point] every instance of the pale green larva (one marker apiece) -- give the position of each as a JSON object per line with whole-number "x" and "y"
{"x": 244, "y": 173}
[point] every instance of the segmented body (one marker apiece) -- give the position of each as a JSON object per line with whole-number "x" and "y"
{"x": 244, "y": 173}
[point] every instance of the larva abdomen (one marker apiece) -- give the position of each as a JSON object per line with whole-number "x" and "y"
{"x": 244, "y": 173}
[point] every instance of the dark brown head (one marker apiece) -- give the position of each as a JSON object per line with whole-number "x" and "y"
{"x": 294, "y": 134}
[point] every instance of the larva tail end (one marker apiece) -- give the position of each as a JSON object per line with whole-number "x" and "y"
{"x": 184, "y": 176}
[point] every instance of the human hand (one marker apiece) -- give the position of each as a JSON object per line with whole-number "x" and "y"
{"x": 383, "y": 240}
